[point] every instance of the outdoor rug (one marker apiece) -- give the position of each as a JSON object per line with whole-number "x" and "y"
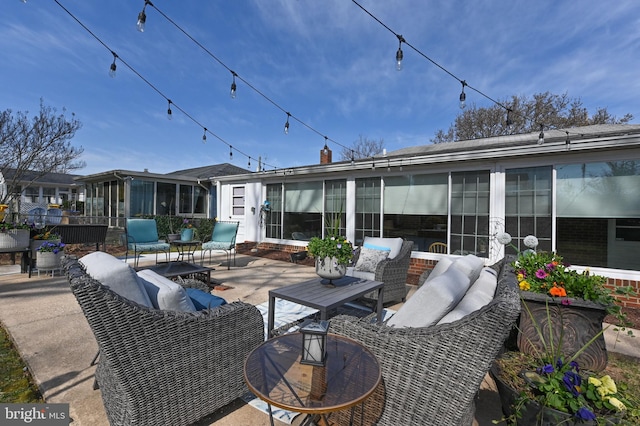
{"x": 289, "y": 312}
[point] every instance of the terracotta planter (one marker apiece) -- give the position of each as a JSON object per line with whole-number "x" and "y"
{"x": 575, "y": 324}
{"x": 329, "y": 269}
{"x": 14, "y": 239}
{"x": 48, "y": 260}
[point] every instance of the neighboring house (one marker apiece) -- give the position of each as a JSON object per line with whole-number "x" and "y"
{"x": 578, "y": 193}
{"x": 119, "y": 194}
{"x": 52, "y": 188}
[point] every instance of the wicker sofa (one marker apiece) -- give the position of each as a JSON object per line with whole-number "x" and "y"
{"x": 164, "y": 367}
{"x": 431, "y": 374}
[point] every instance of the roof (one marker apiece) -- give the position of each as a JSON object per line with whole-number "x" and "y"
{"x": 49, "y": 178}
{"x": 214, "y": 170}
{"x": 575, "y": 134}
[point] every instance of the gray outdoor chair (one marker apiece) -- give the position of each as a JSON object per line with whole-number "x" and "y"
{"x": 165, "y": 367}
{"x": 431, "y": 375}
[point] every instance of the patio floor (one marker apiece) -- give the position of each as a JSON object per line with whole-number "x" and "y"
{"x": 55, "y": 341}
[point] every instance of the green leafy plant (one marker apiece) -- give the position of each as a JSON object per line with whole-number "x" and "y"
{"x": 553, "y": 380}
{"x": 7, "y": 226}
{"x": 331, "y": 246}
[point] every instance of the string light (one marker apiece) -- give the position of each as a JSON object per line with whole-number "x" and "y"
{"x": 204, "y": 136}
{"x": 353, "y": 159}
{"x": 112, "y": 68}
{"x": 286, "y": 125}
{"x": 142, "y": 17}
{"x": 567, "y": 142}
{"x": 249, "y": 164}
{"x": 388, "y": 165}
{"x": 325, "y": 150}
{"x": 230, "y": 152}
{"x": 463, "y": 96}
{"x": 541, "y": 135}
{"x": 233, "y": 85}
{"x": 399, "y": 54}
{"x": 169, "y": 114}
{"x": 373, "y": 163}
{"x": 509, "y": 120}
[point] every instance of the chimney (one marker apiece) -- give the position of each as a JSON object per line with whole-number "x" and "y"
{"x": 325, "y": 155}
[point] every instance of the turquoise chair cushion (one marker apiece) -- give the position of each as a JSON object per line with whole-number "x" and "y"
{"x": 217, "y": 245}
{"x": 224, "y": 232}
{"x": 157, "y": 246}
{"x": 142, "y": 231}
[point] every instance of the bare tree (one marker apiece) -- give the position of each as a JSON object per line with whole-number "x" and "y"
{"x": 525, "y": 116}
{"x": 31, "y": 148}
{"x": 362, "y": 148}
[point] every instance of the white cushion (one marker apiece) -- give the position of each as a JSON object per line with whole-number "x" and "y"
{"x": 369, "y": 259}
{"x": 394, "y": 244}
{"x": 351, "y": 271}
{"x": 479, "y": 294}
{"x": 470, "y": 265}
{"x": 164, "y": 293}
{"x": 432, "y": 301}
{"x": 117, "y": 275}
{"x": 440, "y": 268}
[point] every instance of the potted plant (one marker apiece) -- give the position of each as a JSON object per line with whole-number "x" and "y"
{"x": 39, "y": 238}
{"x": 14, "y": 235}
{"x": 49, "y": 254}
{"x": 333, "y": 254}
{"x": 186, "y": 230}
{"x": 573, "y": 304}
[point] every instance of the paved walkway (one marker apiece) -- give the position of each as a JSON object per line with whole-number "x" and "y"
{"x": 55, "y": 341}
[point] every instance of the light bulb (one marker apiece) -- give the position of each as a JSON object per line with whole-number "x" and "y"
{"x": 142, "y": 18}
{"x": 169, "y": 113}
{"x": 541, "y": 138}
{"x": 233, "y": 90}
{"x": 204, "y": 136}
{"x": 286, "y": 125}
{"x": 399, "y": 56}
{"x": 463, "y": 100}
{"x": 112, "y": 69}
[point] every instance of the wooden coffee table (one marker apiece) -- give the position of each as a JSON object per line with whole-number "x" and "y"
{"x": 274, "y": 374}
{"x": 316, "y": 295}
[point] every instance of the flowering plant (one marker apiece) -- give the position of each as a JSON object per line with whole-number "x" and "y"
{"x": 331, "y": 246}
{"x": 7, "y": 226}
{"x": 186, "y": 224}
{"x": 49, "y": 247}
{"x": 546, "y": 273}
{"x": 47, "y": 235}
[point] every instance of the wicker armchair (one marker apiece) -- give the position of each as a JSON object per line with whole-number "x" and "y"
{"x": 431, "y": 375}
{"x": 393, "y": 273}
{"x": 165, "y": 367}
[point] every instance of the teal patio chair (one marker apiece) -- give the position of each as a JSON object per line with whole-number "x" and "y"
{"x": 142, "y": 237}
{"x": 223, "y": 238}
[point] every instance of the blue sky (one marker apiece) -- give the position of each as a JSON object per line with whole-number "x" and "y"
{"x": 326, "y": 62}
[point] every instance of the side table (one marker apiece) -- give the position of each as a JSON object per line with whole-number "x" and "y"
{"x": 274, "y": 374}
{"x": 186, "y": 248}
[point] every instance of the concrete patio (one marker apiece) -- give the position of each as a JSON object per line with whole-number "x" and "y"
{"x": 54, "y": 339}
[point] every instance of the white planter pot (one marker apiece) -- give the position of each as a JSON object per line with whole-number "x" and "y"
{"x": 329, "y": 269}
{"x": 14, "y": 239}
{"x": 34, "y": 244}
{"x": 48, "y": 260}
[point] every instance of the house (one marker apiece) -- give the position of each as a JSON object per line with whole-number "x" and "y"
{"x": 41, "y": 191}
{"x": 119, "y": 194}
{"x": 578, "y": 192}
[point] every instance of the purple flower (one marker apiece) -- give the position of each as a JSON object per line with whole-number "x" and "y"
{"x": 566, "y": 302}
{"x": 572, "y": 382}
{"x": 547, "y": 369}
{"x": 585, "y": 414}
{"x": 339, "y": 245}
{"x": 574, "y": 366}
{"x": 541, "y": 273}
{"x": 550, "y": 266}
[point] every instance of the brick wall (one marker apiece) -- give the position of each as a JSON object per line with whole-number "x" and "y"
{"x": 418, "y": 266}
